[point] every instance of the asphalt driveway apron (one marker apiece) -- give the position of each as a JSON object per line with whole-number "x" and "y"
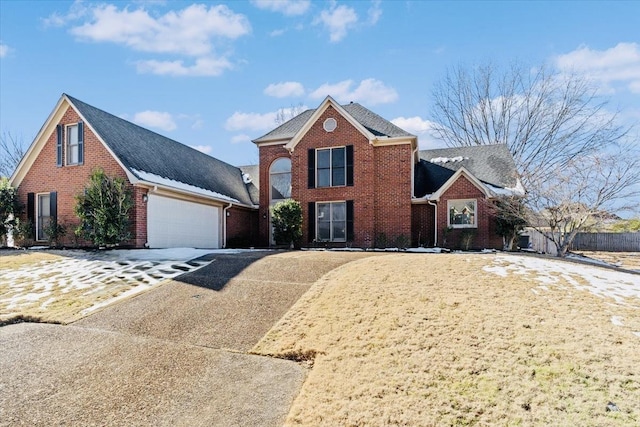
{"x": 175, "y": 355}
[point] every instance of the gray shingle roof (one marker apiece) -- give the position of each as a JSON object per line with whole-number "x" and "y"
{"x": 491, "y": 164}
{"x": 143, "y": 150}
{"x": 374, "y": 123}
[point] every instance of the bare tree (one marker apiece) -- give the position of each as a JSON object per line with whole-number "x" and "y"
{"x": 11, "y": 151}
{"x": 545, "y": 118}
{"x": 567, "y": 146}
{"x": 285, "y": 114}
{"x": 572, "y": 197}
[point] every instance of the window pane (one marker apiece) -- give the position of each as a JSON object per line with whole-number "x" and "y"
{"x": 324, "y": 212}
{"x": 43, "y": 216}
{"x": 339, "y": 212}
{"x": 73, "y": 154}
{"x": 280, "y": 186}
{"x": 324, "y": 178}
{"x": 338, "y": 177}
{"x": 338, "y": 157}
{"x": 72, "y": 132}
{"x": 324, "y": 231}
{"x": 281, "y": 165}
{"x": 323, "y": 159}
{"x": 339, "y": 230}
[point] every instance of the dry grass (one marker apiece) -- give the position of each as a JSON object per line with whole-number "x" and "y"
{"x": 628, "y": 260}
{"x": 12, "y": 259}
{"x": 426, "y": 340}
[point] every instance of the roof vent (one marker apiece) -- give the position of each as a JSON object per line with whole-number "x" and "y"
{"x": 246, "y": 178}
{"x": 330, "y": 124}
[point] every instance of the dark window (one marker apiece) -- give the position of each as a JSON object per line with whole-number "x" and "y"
{"x": 331, "y": 222}
{"x": 331, "y": 167}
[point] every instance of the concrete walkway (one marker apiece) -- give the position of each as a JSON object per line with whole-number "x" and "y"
{"x": 175, "y": 355}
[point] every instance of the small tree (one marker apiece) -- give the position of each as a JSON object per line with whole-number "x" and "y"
{"x": 9, "y": 207}
{"x": 510, "y": 212}
{"x": 103, "y": 210}
{"x": 287, "y": 222}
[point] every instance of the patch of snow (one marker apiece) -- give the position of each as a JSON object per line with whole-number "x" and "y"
{"x": 435, "y": 250}
{"x": 348, "y": 249}
{"x": 448, "y": 159}
{"x": 637, "y": 334}
{"x": 618, "y": 285}
{"x": 518, "y": 190}
{"x": 246, "y": 178}
{"x": 587, "y": 259}
{"x": 157, "y": 179}
{"x": 617, "y": 320}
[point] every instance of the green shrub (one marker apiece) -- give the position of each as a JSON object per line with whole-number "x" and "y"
{"x": 55, "y": 231}
{"x": 10, "y": 207}
{"x": 104, "y": 209}
{"x": 286, "y": 218}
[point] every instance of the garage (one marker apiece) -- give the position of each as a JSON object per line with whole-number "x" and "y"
{"x": 173, "y": 223}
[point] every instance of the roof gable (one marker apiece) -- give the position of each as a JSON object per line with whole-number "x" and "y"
{"x": 146, "y": 155}
{"x": 370, "y": 124}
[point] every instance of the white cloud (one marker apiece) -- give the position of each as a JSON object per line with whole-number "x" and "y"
{"x": 284, "y": 89}
{"x": 4, "y": 50}
{"x": 276, "y": 33}
{"x": 206, "y": 149}
{"x": 286, "y": 7}
{"x": 611, "y": 67}
{"x": 369, "y": 91}
{"x": 374, "y": 13}
{"x": 77, "y": 11}
{"x": 236, "y": 139}
{"x": 338, "y": 20}
{"x": 186, "y": 32}
{"x": 251, "y": 121}
{"x": 422, "y": 128}
{"x": 201, "y": 67}
{"x": 155, "y": 119}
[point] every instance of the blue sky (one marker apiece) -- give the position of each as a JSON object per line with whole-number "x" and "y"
{"x": 213, "y": 75}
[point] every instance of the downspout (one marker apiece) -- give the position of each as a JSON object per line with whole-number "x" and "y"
{"x": 413, "y": 171}
{"x": 435, "y": 228}
{"x": 224, "y": 225}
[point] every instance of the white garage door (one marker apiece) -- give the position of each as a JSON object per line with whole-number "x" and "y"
{"x": 175, "y": 223}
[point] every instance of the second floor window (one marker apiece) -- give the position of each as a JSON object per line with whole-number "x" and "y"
{"x": 331, "y": 167}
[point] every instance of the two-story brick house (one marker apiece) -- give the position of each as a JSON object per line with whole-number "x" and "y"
{"x": 362, "y": 181}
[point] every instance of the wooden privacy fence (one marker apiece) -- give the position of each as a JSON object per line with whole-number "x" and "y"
{"x": 607, "y": 242}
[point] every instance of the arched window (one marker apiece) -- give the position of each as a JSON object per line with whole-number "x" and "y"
{"x": 280, "y": 180}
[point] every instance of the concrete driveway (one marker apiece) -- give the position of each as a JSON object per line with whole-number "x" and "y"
{"x": 175, "y": 355}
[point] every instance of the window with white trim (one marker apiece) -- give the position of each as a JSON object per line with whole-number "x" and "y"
{"x": 331, "y": 222}
{"x": 73, "y": 145}
{"x": 331, "y": 166}
{"x": 462, "y": 213}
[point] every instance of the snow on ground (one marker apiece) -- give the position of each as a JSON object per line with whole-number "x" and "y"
{"x": 605, "y": 283}
{"x": 102, "y": 275}
{"x": 622, "y": 287}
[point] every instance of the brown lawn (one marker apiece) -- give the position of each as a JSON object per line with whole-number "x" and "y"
{"x": 431, "y": 340}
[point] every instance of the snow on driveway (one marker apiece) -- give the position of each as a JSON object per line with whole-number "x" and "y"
{"x": 91, "y": 280}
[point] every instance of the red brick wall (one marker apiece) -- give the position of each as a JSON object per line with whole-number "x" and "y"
{"x": 44, "y": 177}
{"x": 485, "y": 236}
{"x": 422, "y": 223}
{"x": 393, "y": 193}
{"x": 242, "y": 227}
{"x": 268, "y": 155}
{"x": 381, "y": 176}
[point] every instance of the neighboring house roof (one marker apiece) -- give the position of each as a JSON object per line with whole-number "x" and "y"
{"x": 147, "y": 154}
{"x": 251, "y": 177}
{"x": 490, "y": 164}
{"x": 374, "y": 123}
